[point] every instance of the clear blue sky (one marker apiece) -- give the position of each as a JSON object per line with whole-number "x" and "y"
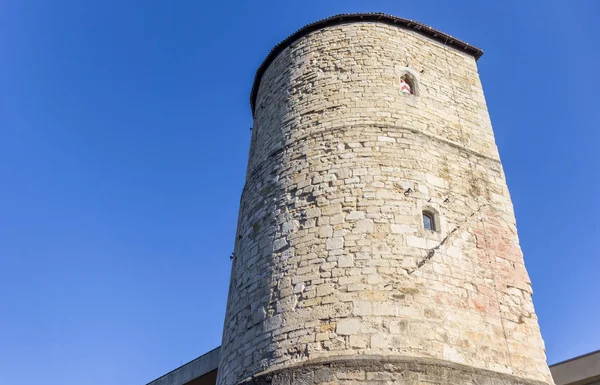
{"x": 123, "y": 145}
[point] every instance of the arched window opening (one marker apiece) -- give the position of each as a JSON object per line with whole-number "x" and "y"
{"x": 429, "y": 221}
{"x": 407, "y": 85}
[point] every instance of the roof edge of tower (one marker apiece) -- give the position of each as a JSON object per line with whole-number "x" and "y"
{"x": 358, "y": 17}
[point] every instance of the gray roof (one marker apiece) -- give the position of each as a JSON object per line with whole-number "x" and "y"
{"x": 582, "y": 370}
{"x": 185, "y": 373}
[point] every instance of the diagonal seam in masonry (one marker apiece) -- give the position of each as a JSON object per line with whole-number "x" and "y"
{"x": 431, "y": 252}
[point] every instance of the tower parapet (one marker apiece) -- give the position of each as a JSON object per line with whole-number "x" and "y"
{"x": 376, "y": 239}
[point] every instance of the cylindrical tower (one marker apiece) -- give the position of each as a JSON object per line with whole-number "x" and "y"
{"x": 376, "y": 240}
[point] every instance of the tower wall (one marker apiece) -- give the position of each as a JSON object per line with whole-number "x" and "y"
{"x": 335, "y": 279}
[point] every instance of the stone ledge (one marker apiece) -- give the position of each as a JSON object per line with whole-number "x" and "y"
{"x": 383, "y": 370}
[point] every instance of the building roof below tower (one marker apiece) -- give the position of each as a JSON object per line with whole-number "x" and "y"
{"x": 201, "y": 371}
{"x": 582, "y": 370}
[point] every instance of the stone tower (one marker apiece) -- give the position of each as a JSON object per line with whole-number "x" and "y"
{"x": 376, "y": 240}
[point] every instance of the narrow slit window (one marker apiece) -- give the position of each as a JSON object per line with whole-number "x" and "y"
{"x": 428, "y": 221}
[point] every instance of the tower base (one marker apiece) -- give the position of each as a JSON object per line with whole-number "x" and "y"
{"x": 384, "y": 370}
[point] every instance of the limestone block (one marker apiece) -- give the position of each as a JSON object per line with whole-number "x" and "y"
{"x": 346, "y": 261}
{"x": 348, "y": 326}
{"x": 335, "y": 243}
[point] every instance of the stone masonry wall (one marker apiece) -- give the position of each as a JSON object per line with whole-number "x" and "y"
{"x": 332, "y": 258}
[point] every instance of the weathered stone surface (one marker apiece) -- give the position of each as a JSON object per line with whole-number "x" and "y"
{"x": 331, "y": 256}
{"x": 384, "y": 370}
